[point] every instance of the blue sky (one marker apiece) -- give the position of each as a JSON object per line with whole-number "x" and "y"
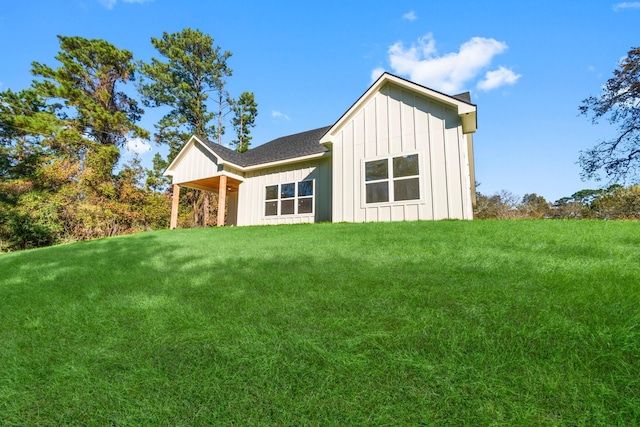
{"x": 527, "y": 64}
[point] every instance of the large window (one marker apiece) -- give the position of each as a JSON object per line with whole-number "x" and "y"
{"x": 289, "y": 199}
{"x": 392, "y": 179}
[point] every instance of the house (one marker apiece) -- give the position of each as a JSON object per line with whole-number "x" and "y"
{"x": 401, "y": 152}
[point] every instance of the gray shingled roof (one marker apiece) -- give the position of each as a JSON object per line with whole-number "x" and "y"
{"x": 286, "y": 147}
{"x": 464, "y": 97}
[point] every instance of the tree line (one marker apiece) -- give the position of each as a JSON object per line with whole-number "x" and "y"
{"x": 61, "y": 138}
{"x": 617, "y": 160}
{"x": 614, "y": 202}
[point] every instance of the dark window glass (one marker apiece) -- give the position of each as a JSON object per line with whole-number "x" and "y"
{"x": 286, "y": 207}
{"x": 271, "y": 208}
{"x": 377, "y": 169}
{"x": 305, "y": 205}
{"x": 406, "y": 189}
{"x": 287, "y": 190}
{"x": 272, "y": 192}
{"x": 305, "y": 188}
{"x": 378, "y": 192}
{"x": 405, "y": 166}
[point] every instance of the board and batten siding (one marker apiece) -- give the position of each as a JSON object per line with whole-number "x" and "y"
{"x": 197, "y": 163}
{"x": 396, "y": 122}
{"x": 251, "y": 200}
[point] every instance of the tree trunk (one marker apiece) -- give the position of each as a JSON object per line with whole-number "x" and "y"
{"x": 206, "y": 203}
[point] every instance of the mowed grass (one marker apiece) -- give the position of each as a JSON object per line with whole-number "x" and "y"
{"x": 418, "y": 323}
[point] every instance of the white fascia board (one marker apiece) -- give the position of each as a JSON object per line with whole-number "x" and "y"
{"x": 463, "y": 109}
{"x": 187, "y": 147}
{"x": 277, "y": 163}
{"x": 231, "y": 174}
{"x": 460, "y": 106}
{"x": 326, "y": 140}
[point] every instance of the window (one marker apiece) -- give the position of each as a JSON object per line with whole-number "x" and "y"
{"x": 393, "y": 179}
{"x": 289, "y": 199}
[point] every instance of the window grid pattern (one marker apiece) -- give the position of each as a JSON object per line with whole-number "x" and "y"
{"x": 289, "y": 198}
{"x": 392, "y": 179}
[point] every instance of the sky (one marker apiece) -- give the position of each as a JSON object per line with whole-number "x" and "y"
{"x": 527, "y": 64}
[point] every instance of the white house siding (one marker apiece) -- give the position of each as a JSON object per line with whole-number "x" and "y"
{"x": 197, "y": 163}
{"x": 251, "y": 200}
{"x": 398, "y": 122}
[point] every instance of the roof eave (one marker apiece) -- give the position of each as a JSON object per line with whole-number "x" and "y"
{"x": 283, "y": 162}
{"x": 194, "y": 138}
{"x": 469, "y": 122}
{"x": 466, "y": 111}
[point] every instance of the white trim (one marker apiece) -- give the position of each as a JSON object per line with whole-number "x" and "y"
{"x": 231, "y": 175}
{"x": 183, "y": 151}
{"x": 221, "y": 162}
{"x": 467, "y": 112}
{"x": 276, "y": 163}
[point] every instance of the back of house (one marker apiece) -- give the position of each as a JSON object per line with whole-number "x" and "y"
{"x": 401, "y": 152}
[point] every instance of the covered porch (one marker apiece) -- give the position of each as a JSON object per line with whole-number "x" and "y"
{"x": 226, "y": 187}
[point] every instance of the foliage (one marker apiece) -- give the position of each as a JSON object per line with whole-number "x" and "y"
{"x": 87, "y": 83}
{"x": 619, "y": 157}
{"x": 415, "y": 323}
{"x": 191, "y": 68}
{"x": 534, "y": 206}
{"x": 503, "y": 205}
{"x": 156, "y": 181}
{"x": 618, "y": 202}
{"x": 245, "y": 112}
{"x": 60, "y": 141}
{"x": 613, "y": 203}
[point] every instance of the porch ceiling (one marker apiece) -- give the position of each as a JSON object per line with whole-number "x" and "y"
{"x": 212, "y": 184}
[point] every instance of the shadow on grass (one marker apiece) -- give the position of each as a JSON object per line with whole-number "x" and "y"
{"x": 330, "y": 326}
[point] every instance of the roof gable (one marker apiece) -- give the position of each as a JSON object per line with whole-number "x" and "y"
{"x": 283, "y": 149}
{"x": 461, "y": 103}
{"x": 170, "y": 170}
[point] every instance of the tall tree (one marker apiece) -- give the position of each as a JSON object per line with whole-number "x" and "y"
{"x": 97, "y": 115}
{"x": 88, "y": 82}
{"x": 191, "y": 68}
{"x": 619, "y": 101}
{"x": 62, "y": 138}
{"x": 156, "y": 181}
{"x": 245, "y": 111}
{"x": 21, "y": 150}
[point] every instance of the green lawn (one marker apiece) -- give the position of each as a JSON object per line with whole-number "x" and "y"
{"x": 418, "y": 323}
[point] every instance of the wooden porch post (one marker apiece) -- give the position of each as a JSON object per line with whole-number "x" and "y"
{"x": 174, "y": 206}
{"x": 222, "y": 199}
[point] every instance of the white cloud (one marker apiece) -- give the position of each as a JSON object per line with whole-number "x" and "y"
{"x": 594, "y": 70}
{"x": 377, "y": 72}
{"x": 278, "y": 115}
{"x": 410, "y": 16}
{"x": 450, "y": 72}
{"x": 138, "y": 146}
{"x": 626, "y": 5}
{"x": 500, "y": 77}
{"x": 110, "y": 4}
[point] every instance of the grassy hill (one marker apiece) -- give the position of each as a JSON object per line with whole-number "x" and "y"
{"x": 418, "y": 323}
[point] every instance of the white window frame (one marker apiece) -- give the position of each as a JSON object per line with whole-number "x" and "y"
{"x": 390, "y": 180}
{"x": 296, "y": 199}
